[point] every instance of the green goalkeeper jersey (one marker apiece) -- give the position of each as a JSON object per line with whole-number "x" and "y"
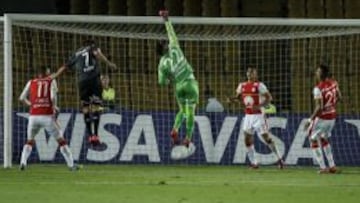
{"x": 173, "y": 66}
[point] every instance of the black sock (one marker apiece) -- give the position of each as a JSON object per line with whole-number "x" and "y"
{"x": 96, "y": 120}
{"x": 87, "y": 119}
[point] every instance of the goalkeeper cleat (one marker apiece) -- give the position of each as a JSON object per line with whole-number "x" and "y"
{"x": 22, "y": 167}
{"x": 94, "y": 140}
{"x": 174, "y": 137}
{"x": 281, "y": 164}
{"x": 186, "y": 142}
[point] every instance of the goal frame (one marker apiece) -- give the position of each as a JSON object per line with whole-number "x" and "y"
{"x": 9, "y": 18}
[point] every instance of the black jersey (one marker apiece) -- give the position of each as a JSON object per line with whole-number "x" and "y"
{"x": 85, "y": 63}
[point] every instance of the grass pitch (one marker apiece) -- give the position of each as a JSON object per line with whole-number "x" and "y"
{"x": 180, "y": 184}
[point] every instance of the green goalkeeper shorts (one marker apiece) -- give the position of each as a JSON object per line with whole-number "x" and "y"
{"x": 187, "y": 92}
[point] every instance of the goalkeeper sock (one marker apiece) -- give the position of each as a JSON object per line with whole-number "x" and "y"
{"x": 87, "y": 120}
{"x": 65, "y": 151}
{"x": 25, "y": 154}
{"x": 190, "y": 118}
{"x": 179, "y": 119}
{"x": 251, "y": 154}
{"x": 317, "y": 152}
{"x": 328, "y": 152}
{"x": 96, "y": 120}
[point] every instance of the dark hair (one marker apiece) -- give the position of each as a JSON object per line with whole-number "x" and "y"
{"x": 325, "y": 71}
{"x": 160, "y": 47}
{"x": 42, "y": 70}
{"x": 89, "y": 42}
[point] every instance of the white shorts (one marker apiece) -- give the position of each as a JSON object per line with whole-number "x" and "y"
{"x": 255, "y": 123}
{"x": 320, "y": 127}
{"x": 36, "y": 123}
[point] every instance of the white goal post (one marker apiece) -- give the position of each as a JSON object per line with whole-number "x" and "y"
{"x": 286, "y": 50}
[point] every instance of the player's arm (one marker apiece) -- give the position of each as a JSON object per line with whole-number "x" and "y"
{"x": 173, "y": 41}
{"x": 100, "y": 56}
{"x": 318, "y": 106}
{"x": 338, "y": 94}
{"x": 162, "y": 76}
{"x": 58, "y": 72}
{"x": 237, "y": 96}
{"x": 24, "y": 94}
{"x": 266, "y": 95}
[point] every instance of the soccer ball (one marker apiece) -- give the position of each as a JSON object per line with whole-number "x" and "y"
{"x": 182, "y": 152}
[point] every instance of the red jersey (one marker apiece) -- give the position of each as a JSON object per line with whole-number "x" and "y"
{"x": 40, "y": 96}
{"x": 327, "y": 91}
{"x": 251, "y": 95}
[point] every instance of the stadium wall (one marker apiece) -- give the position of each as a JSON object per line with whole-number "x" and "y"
{"x": 143, "y": 138}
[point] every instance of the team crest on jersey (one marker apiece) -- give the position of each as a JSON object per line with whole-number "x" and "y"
{"x": 253, "y": 89}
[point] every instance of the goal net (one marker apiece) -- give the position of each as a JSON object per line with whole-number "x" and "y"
{"x": 135, "y": 127}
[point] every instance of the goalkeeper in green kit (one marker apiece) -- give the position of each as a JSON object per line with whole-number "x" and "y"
{"x": 174, "y": 69}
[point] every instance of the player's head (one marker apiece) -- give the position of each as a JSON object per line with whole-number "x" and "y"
{"x": 42, "y": 71}
{"x": 251, "y": 73}
{"x": 323, "y": 72}
{"x": 89, "y": 42}
{"x": 162, "y": 47}
{"x": 105, "y": 81}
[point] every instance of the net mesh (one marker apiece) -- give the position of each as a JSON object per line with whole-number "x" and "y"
{"x": 286, "y": 57}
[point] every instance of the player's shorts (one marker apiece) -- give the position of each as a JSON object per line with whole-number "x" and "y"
{"x": 36, "y": 123}
{"x": 321, "y": 127}
{"x": 90, "y": 91}
{"x": 255, "y": 123}
{"x": 187, "y": 92}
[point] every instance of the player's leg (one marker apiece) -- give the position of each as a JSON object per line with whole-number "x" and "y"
{"x": 325, "y": 144}
{"x": 314, "y": 132}
{"x": 249, "y": 140}
{"x": 53, "y": 128}
{"x": 249, "y": 143}
{"x": 85, "y": 95}
{"x": 261, "y": 127}
{"x": 32, "y": 129}
{"x": 96, "y": 104}
{"x": 180, "y": 115}
{"x": 191, "y": 97}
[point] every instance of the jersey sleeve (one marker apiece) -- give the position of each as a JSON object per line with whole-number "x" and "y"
{"x": 71, "y": 61}
{"x": 238, "y": 89}
{"x": 317, "y": 93}
{"x": 173, "y": 41}
{"x": 262, "y": 88}
{"x": 25, "y": 91}
{"x": 162, "y": 73}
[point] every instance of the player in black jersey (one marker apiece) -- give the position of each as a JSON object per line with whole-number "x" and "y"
{"x": 85, "y": 61}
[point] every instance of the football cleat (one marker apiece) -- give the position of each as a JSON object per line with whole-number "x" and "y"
{"x": 281, "y": 164}
{"x": 334, "y": 170}
{"x": 94, "y": 140}
{"x": 323, "y": 171}
{"x": 75, "y": 167}
{"x": 186, "y": 142}
{"x": 254, "y": 166}
{"x": 174, "y": 137}
{"x": 22, "y": 167}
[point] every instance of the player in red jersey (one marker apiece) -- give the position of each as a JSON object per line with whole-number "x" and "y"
{"x": 321, "y": 122}
{"x": 255, "y": 95}
{"x": 39, "y": 94}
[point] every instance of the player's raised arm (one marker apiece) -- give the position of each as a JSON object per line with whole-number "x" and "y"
{"x": 173, "y": 41}
{"x": 24, "y": 94}
{"x": 100, "y": 56}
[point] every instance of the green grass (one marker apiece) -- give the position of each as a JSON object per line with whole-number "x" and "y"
{"x": 180, "y": 184}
